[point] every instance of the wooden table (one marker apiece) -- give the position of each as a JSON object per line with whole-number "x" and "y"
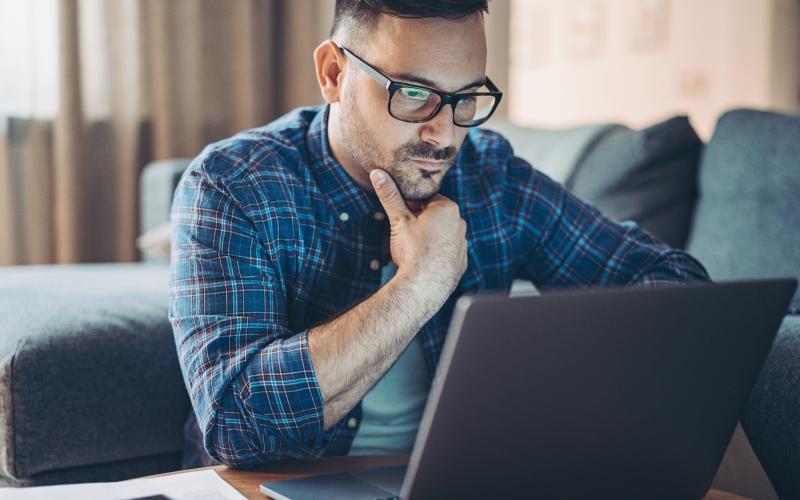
{"x": 247, "y": 482}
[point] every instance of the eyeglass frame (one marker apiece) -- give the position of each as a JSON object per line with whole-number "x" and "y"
{"x": 445, "y": 98}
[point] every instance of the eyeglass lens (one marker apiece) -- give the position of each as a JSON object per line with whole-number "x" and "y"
{"x": 412, "y": 103}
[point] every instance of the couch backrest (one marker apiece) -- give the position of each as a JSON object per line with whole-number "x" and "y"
{"x": 747, "y": 220}
{"x": 556, "y": 152}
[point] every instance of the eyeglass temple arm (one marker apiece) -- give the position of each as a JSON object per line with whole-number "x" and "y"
{"x": 385, "y": 82}
{"x": 491, "y": 86}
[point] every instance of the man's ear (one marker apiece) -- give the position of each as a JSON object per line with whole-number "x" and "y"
{"x": 329, "y": 63}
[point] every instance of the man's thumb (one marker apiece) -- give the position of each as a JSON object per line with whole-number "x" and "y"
{"x": 388, "y": 194}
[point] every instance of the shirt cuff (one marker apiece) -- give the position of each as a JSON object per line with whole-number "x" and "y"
{"x": 281, "y": 391}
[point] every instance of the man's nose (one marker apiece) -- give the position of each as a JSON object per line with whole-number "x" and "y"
{"x": 440, "y": 129}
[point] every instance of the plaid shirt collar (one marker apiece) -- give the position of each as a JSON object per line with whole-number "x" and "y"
{"x": 344, "y": 194}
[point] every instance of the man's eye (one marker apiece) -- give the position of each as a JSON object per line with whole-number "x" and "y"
{"x": 416, "y": 94}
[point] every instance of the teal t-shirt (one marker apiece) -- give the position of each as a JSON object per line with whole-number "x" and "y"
{"x": 393, "y": 407}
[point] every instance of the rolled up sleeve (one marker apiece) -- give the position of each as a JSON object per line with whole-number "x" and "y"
{"x": 250, "y": 379}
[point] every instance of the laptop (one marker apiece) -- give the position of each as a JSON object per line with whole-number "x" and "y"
{"x": 599, "y": 393}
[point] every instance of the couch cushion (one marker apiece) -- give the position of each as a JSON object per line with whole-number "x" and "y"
{"x": 648, "y": 176}
{"x": 88, "y": 368}
{"x": 747, "y": 221}
{"x": 553, "y": 152}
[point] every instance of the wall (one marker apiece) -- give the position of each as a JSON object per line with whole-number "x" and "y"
{"x": 638, "y": 61}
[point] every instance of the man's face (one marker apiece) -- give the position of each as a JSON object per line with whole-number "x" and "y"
{"x": 443, "y": 54}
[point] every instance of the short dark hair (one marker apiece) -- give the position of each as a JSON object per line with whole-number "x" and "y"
{"x": 366, "y": 12}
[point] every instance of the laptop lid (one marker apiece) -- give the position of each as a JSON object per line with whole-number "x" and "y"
{"x": 602, "y": 393}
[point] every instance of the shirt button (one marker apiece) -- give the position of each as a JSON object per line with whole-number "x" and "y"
{"x": 344, "y": 216}
{"x": 379, "y": 215}
{"x": 352, "y": 422}
{"x": 374, "y": 264}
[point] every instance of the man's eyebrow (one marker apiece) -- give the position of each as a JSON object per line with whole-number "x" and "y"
{"x": 410, "y": 78}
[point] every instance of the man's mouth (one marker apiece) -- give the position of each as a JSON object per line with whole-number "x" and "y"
{"x": 431, "y": 167}
{"x": 433, "y": 164}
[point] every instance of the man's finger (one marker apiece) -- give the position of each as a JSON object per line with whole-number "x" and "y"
{"x": 437, "y": 199}
{"x": 388, "y": 194}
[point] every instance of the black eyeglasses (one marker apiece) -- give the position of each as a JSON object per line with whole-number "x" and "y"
{"x": 417, "y": 104}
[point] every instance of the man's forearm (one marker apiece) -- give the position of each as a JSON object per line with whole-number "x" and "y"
{"x": 352, "y": 352}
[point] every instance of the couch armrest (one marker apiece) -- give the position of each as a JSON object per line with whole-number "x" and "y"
{"x": 157, "y": 185}
{"x": 89, "y": 372}
{"x": 773, "y": 411}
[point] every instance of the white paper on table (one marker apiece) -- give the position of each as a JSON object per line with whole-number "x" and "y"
{"x": 199, "y": 485}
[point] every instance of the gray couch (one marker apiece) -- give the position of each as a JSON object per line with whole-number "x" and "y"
{"x": 90, "y": 388}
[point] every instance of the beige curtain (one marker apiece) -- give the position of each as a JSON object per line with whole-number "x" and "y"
{"x": 140, "y": 80}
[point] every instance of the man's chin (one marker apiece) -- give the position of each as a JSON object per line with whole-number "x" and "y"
{"x": 416, "y": 195}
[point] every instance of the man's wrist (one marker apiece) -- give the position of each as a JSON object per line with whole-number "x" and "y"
{"x": 424, "y": 289}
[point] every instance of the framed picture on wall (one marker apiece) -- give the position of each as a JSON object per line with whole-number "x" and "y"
{"x": 585, "y": 29}
{"x": 531, "y": 34}
{"x": 649, "y": 23}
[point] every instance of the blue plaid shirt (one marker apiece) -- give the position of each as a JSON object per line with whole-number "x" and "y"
{"x": 271, "y": 237}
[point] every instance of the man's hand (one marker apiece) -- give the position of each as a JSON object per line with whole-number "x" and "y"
{"x": 429, "y": 246}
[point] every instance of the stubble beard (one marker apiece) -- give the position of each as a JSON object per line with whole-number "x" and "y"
{"x": 362, "y": 145}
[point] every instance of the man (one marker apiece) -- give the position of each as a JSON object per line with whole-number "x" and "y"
{"x": 317, "y": 260}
